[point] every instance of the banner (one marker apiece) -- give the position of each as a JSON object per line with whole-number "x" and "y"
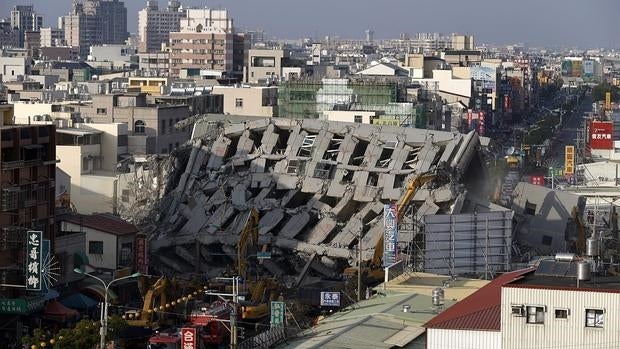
{"x": 608, "y": 101}
{"x": 481, "y": 123}
{"x": 188, "y": 338}
{"x": 390, "y": 234}
{"x": 470, "y": 116}
{"x": 569, "y": 160}
{"x": 141, "y": 257}
{"x": 34, "y": 260}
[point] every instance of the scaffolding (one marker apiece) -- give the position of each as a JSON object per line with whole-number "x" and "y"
{"x": 308, "y": 98}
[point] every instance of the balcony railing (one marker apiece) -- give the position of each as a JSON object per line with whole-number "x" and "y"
{"x": 11, "y": 165}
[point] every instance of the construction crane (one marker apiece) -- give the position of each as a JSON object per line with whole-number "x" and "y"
{"x": 249, "y": 235}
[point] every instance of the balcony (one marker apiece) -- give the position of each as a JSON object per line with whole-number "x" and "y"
{"x": 11, "y": 165}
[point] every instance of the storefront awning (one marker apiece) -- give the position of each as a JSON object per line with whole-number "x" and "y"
{"x": 58, "y": 312}
{"x": 79, "y": 301}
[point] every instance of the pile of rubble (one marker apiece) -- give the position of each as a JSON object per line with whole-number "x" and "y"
{"x": 317, "y": 186}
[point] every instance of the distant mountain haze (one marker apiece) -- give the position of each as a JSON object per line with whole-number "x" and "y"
{"x": 550, "y": 23}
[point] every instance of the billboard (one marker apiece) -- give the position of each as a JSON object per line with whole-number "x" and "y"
{"x": 576, "y": 69}
{"x": 277, "y": 314}
{"x": 588, "y": 68}
{"x": 567, "y": 68}
{"x": 601, "y": 135}
{"x": 487, "y": 75}
{"x": 569, "y": 160}
{"x": 607, "y": 100}
{"x": 34, "y": 259}
{"x": 188, "y": 338}
{"x": 390, "y": 234}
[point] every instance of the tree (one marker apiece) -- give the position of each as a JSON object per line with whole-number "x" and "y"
{"x": 85, "y": 335}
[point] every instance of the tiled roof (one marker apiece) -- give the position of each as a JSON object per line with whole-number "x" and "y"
{"x": 480, "y": 311}
{"x": 104, "y": 222}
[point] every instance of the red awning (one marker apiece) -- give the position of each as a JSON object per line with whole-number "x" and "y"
{"x": 58, "y": 312}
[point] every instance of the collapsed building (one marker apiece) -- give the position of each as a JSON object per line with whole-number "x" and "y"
{"x": 318, "y": 187}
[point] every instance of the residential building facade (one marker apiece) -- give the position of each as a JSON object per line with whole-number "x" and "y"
{"x": 249, "y": 101}
{"x": 155, "y": 25}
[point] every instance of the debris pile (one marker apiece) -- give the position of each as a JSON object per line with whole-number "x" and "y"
{"x": 317, "y": 186}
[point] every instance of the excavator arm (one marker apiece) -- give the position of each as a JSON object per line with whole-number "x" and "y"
{"x": 249, "y": 235}
{"x": 413, "y": 186}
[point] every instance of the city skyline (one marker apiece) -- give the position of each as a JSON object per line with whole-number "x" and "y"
{"x": 576, "y": 24}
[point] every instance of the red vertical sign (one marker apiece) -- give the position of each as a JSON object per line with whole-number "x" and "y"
{"x": 481, "y": 123}
{"x": 188, "y": 338}
{"x": 470, "y": 116}
{"x": 141, "y": 257}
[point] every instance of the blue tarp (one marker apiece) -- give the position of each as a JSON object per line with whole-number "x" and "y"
{"x": 78, "y": 301}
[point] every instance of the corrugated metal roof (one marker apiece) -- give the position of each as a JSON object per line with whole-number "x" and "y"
{"x": 479, "y": 311}
{"x": 104, "y": 222}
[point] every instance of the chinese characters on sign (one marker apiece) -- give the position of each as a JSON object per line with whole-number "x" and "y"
{"x": 277, "y": 314}
{"x": 141, "y": 255}
{"x": 390, "y": 235}
{"x": 330, "y": 299}
{"x": 188, "y": 338}
{"x": 569, "y": 160}
{"x": 33, "y": 260}
{"x": 481, "y": 123}
{"x": 601, "y": 135}
{"x": 13, "y": 306}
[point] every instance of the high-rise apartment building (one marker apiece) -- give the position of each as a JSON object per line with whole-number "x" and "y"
{"x": 155, "y": 25}
{"x": 95, "y": 22}
{"x": 27, "y": 198}
{"x": 24, "y": 18}
{"x": 207, "y": 41}
{"x": 51, "y": 37}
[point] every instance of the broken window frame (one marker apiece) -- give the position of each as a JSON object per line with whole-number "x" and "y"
{"x": 305, "y": 150}
{"x": 323, "y": 170}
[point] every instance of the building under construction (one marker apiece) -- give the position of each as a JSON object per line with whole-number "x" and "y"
{"x": 308, "y": 98}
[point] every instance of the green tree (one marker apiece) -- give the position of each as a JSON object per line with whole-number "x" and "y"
{"x": 85, "y": 335}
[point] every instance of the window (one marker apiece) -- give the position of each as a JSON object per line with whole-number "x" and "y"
{"x": 595, "y": 318}
{"x": 125, "y": 195}
{"x": 126, "y": 254}
{"x": 139, "y": 126}
{"x": 517, "y": 310}
{"x": 163, "y": 127}
{"x": 561, "y": 313}
{"x": 357, "y": 119}
{"x": 535, "y": 314}
{"x": 547, "y": 240}
{"x": 530, "y": 208}
{"x": 239, "y": 102}
{"x": 102, "y": 111}
{"x": 85, "y": 164}
{"x": 95, "y": 247}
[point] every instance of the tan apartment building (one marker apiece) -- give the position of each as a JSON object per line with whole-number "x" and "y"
{"x": 265, "y": 65}
{"x": 150, "y": 127}
{"x": 207, "y": 41}
{"x": 249, "y": 101}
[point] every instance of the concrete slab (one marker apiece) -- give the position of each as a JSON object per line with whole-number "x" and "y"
{"x": 270, "y": 220}
{"x": 321, "y": 230}
{"x": 295, "y": 225}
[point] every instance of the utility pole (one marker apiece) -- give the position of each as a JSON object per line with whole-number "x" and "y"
{"x": 233, "y": 314}
{"x": 359, "y": 262}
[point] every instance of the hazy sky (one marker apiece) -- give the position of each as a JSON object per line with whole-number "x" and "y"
{"x": 565, "y": 23}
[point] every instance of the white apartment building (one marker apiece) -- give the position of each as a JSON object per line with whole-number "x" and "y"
{"x": 51, "y": 37}
{"x": 89, "y": 153}
{"x": 209, "y": 20}
{"x": 155, "y": 25}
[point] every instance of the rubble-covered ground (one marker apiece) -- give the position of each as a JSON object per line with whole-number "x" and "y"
{"x": 317, "y": 186}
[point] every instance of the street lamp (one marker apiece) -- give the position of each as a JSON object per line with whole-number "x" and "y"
{"x": 104, "y": 311}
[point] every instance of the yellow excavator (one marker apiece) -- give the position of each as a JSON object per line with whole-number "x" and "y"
{"x": 154, "y": 297}
{"x": 374, "y": 268}
{"x": 260, "y": 292}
